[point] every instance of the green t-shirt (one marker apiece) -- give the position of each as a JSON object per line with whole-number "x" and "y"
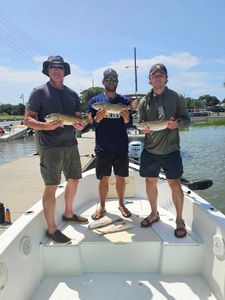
{"x": 167, "y": 105}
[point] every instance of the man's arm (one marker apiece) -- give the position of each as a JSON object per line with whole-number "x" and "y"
{"x": 30, "y": 120}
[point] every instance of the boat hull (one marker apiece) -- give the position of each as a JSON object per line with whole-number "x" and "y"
{"x": 27, "y": 256}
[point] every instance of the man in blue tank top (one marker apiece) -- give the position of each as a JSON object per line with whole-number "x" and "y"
{"x": 111, "y": 138}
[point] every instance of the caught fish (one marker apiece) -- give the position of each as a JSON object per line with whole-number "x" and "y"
{"x": 111, "y": 108}
{"x": 153, "y": 125}
{"x": 67, "y": 120}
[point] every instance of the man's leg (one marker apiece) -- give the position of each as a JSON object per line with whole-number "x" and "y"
{"x": 103, "y": 189}
{"x": 48, "y": 200}
{"x": 178, "y": 200}
{"x": 70, "y": 193}
{"x": 177, "y": 195}
{"x": 152, "y": 193}
{"x": 120, "y": 188}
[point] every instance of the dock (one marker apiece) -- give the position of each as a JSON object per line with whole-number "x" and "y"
{"x": 21, "y": 184}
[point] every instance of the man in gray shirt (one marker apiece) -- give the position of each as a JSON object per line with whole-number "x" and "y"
{"x": 161, "y": 148}
{"x": 58, "y": 144}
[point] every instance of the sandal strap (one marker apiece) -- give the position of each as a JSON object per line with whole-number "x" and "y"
{"x": 180, "y": 222}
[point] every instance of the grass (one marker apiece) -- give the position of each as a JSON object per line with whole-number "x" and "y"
{"x": 6, "y": 117}
{"x": 215, "y": 122}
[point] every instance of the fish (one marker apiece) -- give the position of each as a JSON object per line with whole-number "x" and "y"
{"x": 152, "y": 125}
{"x": 110, "y": 107}
{"x": 67, "y": 120}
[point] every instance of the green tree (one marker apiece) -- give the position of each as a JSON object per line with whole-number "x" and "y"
{"x": 209, "y": 100}
{"x": 12, "y": 109}
{"x": 86, "y": 95}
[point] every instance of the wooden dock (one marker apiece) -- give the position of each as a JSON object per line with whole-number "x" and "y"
{"x": 21, "y": 184}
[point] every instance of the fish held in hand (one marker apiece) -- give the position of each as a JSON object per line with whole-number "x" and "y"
{"x": 110, "y": 107}
{"x": 67, "y": 120}
{"x": 152, "y": 125}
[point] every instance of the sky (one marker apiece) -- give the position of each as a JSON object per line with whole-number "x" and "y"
{"x": 92, "y": 35}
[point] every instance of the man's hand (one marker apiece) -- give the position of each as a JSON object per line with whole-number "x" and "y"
{"x": 125, "y": 115}
{"x": 53, "y": 124}
{"x": 172, "y": 124}
{"x": 78, "y": 126}
{"x": 100, "y": 115}
{"x": 146, "y": 130}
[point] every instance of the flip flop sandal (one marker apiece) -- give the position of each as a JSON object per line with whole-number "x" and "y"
{"x": 146, "y": 223}
{"x": 123, "y": 212}
{"x": 180, "y": 232}
{"x": 97, "y": 215}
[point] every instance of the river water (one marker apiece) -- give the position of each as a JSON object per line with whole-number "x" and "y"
{"x": 202, "y": 150}
{"x": 203, "y": 154}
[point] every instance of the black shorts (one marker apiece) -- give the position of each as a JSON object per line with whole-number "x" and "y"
{"x": 104, "y": 164}
{"x": 171, "y": 163}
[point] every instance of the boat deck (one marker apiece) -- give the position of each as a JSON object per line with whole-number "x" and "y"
{"x": 118, "y": 286}
{"x": 137, "y": 263}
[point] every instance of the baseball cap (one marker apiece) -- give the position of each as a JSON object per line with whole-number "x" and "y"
{"x": 109, "y": 71}
{"x": 158, "y": 67}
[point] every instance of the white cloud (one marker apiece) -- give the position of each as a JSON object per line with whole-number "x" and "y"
{"x": 220, "y": 61}
{"x": 181, "y": 76}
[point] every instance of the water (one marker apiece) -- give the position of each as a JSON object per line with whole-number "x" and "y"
{"x": 202, "y": 150}
{"x": 16, "y": 149}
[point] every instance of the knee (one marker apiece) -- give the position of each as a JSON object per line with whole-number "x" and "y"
{"x": 50, "y": 188}
{"x": 175, "y": 185}
{"x": 73, "y": 182}
{"x": 151, "y": 182}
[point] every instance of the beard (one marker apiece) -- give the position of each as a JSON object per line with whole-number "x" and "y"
{"x": 111, "y": 87}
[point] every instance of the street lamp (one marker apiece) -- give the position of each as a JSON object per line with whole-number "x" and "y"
{"x": 135, "y": 71}
{"x": 22, "y": 97}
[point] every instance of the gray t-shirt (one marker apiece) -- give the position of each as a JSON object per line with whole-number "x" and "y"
{"x": 45, "y": 100}
{"x": 168, "y": 105}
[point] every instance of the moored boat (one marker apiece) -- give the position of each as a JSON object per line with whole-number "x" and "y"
{"x": 13, "y": 133}
{"x": 134, "y": 263}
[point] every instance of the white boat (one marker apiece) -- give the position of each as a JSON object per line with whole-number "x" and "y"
{"x": 199, "y": 116}
{"x": 15, "y": 132}
{"x": 137, "y": 263}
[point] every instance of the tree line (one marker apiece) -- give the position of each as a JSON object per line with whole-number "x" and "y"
{"x": 205, "y": 101}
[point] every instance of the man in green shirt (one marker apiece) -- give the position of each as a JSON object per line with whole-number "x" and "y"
{"x": 161, "y": 148}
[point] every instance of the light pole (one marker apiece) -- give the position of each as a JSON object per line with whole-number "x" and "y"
{"x": 135, "y": 71}
{"x": 22, "y": 97}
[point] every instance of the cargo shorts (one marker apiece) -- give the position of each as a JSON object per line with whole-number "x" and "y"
{"x": 54, "y": 161}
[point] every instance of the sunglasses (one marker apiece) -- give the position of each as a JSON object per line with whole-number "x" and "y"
{"x": 107, "y": 79}
{"x": 52, "y": 67}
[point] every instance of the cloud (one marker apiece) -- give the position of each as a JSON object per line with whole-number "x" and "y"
{"x": 220, "y": 61}
{"x": 180, "y": 68}
{"x": 183, "y": 61}
{"x": 39, "y": 59}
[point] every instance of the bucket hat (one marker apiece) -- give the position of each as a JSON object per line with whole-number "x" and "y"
{"x": 55, "y": 60}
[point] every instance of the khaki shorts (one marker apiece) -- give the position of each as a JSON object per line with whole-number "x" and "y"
{"x": 54, "y": 161}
